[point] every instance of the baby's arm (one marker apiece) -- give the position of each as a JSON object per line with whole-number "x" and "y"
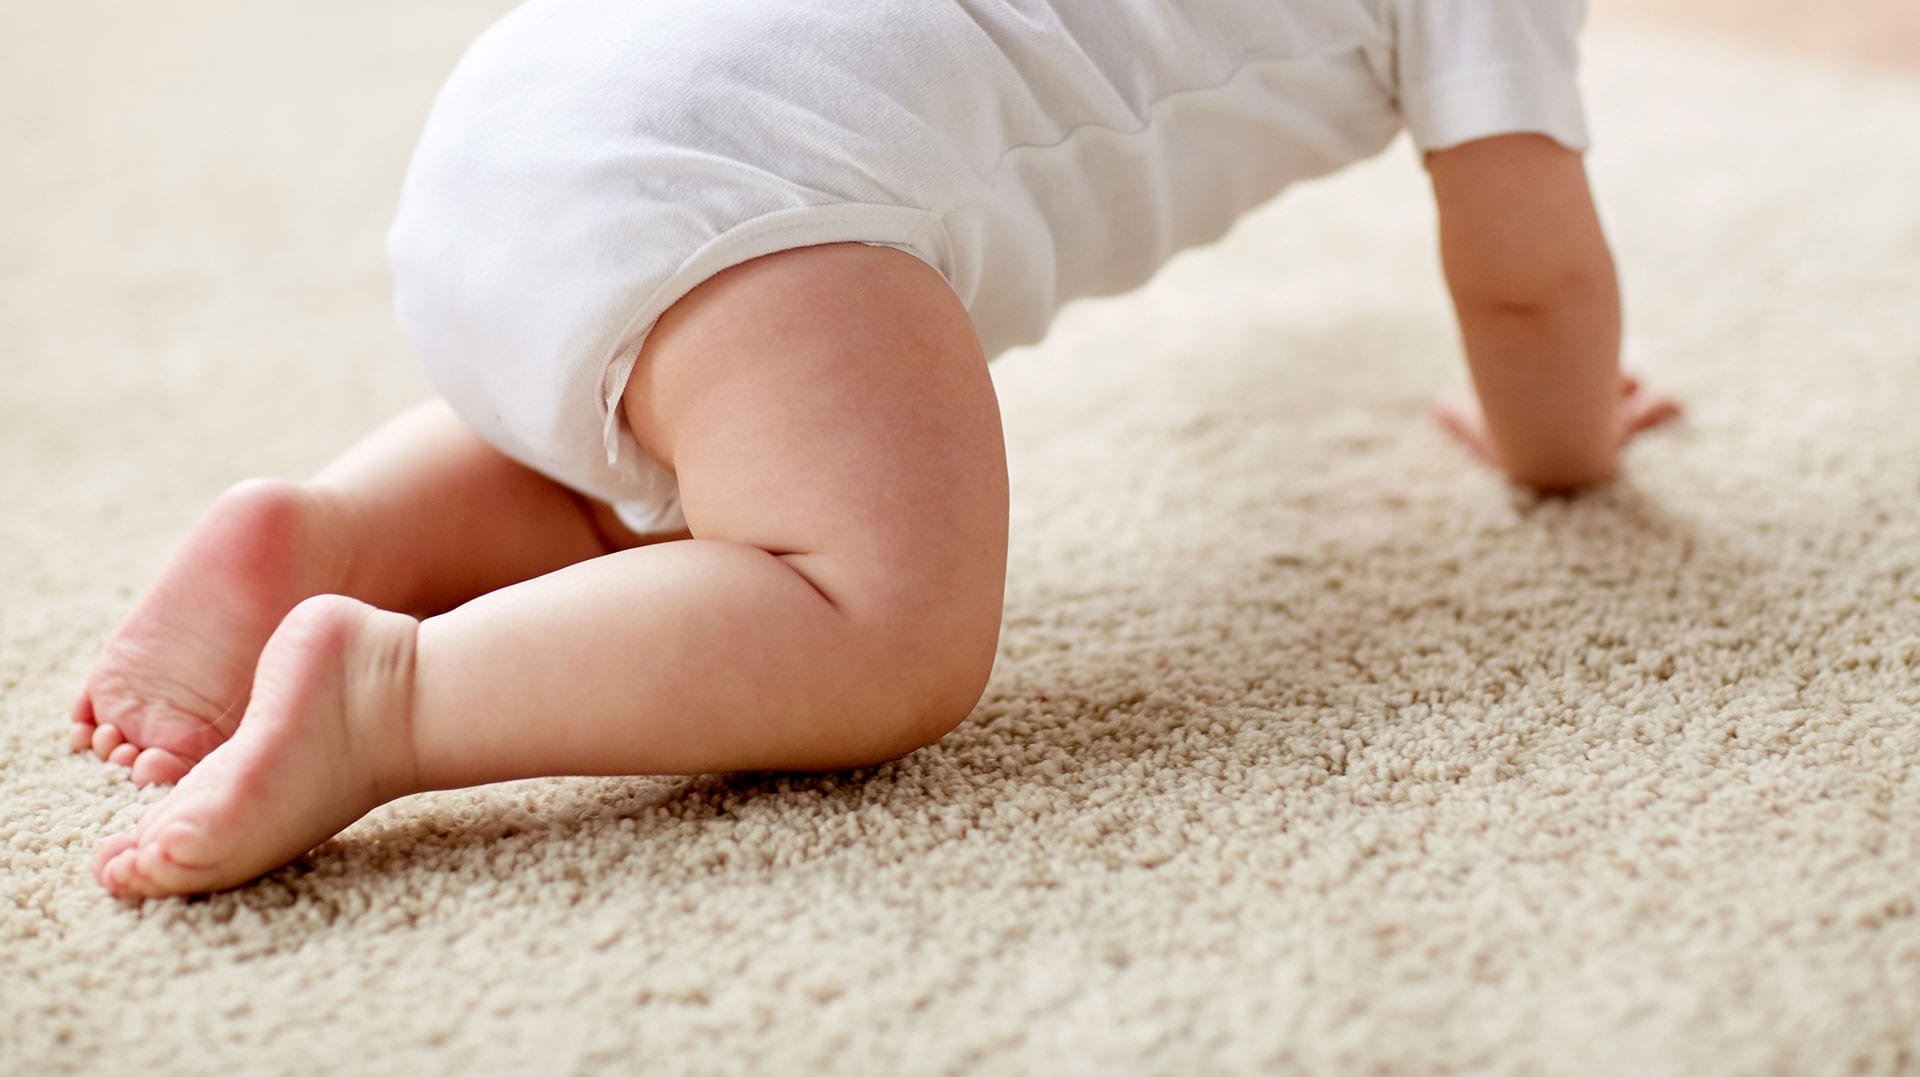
{"x": 1533, "y": 285}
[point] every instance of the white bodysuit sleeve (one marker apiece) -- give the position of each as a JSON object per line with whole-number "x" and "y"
{"x": 1470, "y": 69}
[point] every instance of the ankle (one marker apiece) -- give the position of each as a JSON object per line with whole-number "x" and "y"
{"x": 388, "y": 647}
{"x": 370, "y": 652}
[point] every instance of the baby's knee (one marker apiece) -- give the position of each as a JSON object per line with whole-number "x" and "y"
{"x": 924, "y": 663}
{"x": 959, "y": 663}
{"x": 927, "y": 701}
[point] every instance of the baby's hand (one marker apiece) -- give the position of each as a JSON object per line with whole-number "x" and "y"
{"x": 1639, "y": 409}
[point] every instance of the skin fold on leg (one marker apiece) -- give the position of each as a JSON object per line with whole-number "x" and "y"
{"x": 830, "y": 418}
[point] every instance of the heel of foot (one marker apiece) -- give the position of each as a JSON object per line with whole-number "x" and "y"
{"x": 374, "y": 651}
{"x": 273, "y": 519}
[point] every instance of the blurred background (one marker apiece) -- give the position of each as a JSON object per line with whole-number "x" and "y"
{"x": 1883, "y": 33}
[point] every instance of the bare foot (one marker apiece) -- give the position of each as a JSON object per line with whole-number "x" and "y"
{"x": 326, "y": 739}
{"x": 171, "y": 683}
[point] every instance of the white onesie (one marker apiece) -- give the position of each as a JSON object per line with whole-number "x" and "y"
{"x": 591, "y": 161}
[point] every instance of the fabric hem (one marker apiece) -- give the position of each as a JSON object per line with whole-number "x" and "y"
{"x": 1494, "y": 101}
{"x": 918, "y": 232}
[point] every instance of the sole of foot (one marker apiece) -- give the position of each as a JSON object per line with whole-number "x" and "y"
{"x": 326, "y": 739}
{"x": 171, "y": 683}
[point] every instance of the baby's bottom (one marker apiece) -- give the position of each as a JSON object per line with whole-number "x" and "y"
{"x": 836, "y": 439}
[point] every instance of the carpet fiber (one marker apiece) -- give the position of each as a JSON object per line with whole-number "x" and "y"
{"x": 1312, "y": 746}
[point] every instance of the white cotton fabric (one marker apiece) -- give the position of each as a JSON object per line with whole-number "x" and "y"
{"x": 591, "y": 161}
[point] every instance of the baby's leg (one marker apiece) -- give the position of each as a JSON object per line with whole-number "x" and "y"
{"x": 419, "y": 517}
{"x": 831, "y": 421}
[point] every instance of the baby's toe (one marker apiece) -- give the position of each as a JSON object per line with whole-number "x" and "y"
{"x": 80, "y": 731}
{"x": 157, "y": 766}
{"x": 164, "y": 863}
{"x": 105, "y": 739}
{"x": 124, "y": 755}
{"x": 113, "y": 860}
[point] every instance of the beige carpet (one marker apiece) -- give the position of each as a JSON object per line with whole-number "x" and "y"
{"x": 1312, "y": 747}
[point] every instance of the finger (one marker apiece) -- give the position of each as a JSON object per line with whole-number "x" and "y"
{"x": 1463, "y": 422}
{"x": 1654, "y": 409}
{"x": 1648, "y": 410}
{"x": 1454, "y": 419}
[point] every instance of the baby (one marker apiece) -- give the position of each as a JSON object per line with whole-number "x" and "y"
{"x": 708, "y": 290}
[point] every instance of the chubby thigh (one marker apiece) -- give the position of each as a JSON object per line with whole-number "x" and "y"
{"x": 591, "y": 162}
